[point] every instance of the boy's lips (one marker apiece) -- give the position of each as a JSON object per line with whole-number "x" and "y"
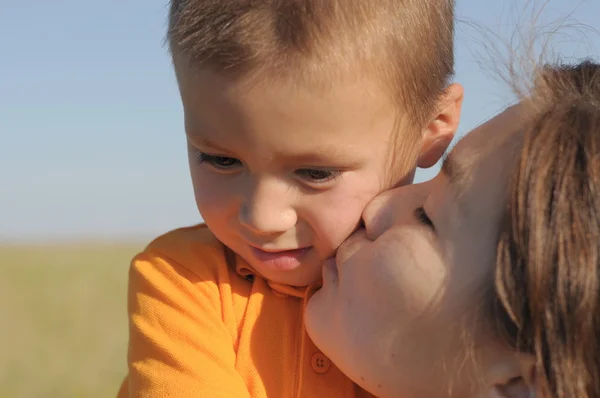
{"x": 282, "y": 260}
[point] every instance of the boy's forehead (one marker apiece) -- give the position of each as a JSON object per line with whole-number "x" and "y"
{"x": 362, "y": 103}
{"x": 321, "y": 83}
{"x": 343, "y": 124}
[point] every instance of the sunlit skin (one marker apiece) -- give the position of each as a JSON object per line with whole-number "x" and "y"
{"x": 398, "y": 311}
{"x": 282, "y": 172}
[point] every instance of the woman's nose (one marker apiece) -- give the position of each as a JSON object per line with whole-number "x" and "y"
{"x": 391, "y": 207}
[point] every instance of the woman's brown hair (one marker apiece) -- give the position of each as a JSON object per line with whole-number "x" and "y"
{"x": 548, "y": 259}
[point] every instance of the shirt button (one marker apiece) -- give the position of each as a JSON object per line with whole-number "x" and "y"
{"x": 320, "y": 363}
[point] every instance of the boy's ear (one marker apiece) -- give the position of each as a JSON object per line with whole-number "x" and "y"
{"x": 439, "y": 132}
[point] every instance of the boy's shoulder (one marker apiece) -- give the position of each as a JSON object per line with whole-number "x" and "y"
{"x": 194, "y": 248}
{"x": 196, "y": 236}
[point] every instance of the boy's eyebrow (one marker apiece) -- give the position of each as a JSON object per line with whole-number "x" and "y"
{"x": 329, "y": 157}
{"x": 456, "y": 173}
{"x": 207, "y": 143}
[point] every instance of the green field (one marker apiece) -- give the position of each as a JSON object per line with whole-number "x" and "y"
{"x": 63, "y": 323}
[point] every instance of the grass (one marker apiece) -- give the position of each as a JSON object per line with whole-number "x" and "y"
{"x": 63, "y": 325}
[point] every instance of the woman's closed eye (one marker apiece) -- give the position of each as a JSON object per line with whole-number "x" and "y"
{"x": 219, "y": 162}
{"x": 515, "y": 388}
{"x": 423, "y": 218}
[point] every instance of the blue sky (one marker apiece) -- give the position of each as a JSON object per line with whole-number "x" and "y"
{"x": 91, "y": 134}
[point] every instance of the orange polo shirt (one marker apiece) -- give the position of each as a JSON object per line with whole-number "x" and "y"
{"x": 202, "y": 325}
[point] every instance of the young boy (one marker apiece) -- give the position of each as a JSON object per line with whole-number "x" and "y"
{"x": 297, "y": 113}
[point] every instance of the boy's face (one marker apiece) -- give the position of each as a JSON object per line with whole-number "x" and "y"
{"x": 281, "y": 172}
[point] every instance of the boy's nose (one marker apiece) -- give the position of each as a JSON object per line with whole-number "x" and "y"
{"x": 267, "y": 211}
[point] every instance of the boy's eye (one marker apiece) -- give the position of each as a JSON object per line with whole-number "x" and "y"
{"x": 219, "y": 162}
{"x": 317, "y": 175}
{"x": 423, "y": 218}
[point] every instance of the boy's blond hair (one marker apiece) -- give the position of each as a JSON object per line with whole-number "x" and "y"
{"x": 406, "y": 44}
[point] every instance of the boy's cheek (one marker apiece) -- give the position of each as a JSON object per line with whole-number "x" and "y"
{"x": 338, "y": 218}
{"x": 213, "y": 202}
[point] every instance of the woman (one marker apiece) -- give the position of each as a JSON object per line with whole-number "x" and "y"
{"x": 483, "y": 282}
